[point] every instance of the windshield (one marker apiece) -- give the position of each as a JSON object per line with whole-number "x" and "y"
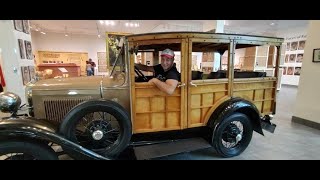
{"x": 119, "y": 61}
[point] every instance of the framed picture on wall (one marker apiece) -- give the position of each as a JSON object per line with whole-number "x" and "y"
{"x": 301, "y": 45}
{"x": 290, "y": 70}
{"x": 18, "y": 25}
{"x": 288, "y": 46}
{"x": 292, "y": 58}
{"x": 25, "y": 74}
{"x": 294, "y": 46}
{"x": 284, "y": 72}
{"x": 316, "y": 55}
{"x": 26, "y": 28}
{"x": 112, "y": 46}
{"x": 21, "y": 49}
{"x": 299, "y": 58}
{"x": 297, "y": 71}
{"x": 29, "y": 54}
{"x": 32, "y": 72}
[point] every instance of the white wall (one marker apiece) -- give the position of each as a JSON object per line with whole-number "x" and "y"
{"x": 72, "y": 43}
{"x": 10, "y": 57}
{"x": 308, "y": 97}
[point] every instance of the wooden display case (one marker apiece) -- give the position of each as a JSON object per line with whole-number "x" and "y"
{"x": 72, "y": 69}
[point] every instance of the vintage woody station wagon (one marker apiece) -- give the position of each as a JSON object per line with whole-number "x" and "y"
{"x": 106, "y": 113}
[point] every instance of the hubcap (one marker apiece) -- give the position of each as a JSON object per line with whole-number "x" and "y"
{"x": 238, "y": 137}
{"x": 232, "y": 135}
{"x": 97, "y": 135}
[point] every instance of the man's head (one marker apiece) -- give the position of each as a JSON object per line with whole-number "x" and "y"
{"x": 167, "y": 58}
{"x": 90, "y": 60}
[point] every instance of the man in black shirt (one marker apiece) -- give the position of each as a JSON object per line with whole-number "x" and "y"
{"x": 166, "y": 74}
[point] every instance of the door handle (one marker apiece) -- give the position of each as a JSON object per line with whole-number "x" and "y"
{"x": 193, "y": 84}
{"x": 181, "y": 85}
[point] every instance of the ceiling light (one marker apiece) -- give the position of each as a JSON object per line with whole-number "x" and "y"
{"x": 127, "y": 24}
{"x": 37, "y": 29}
{"x": 101, "y": 22}
{"x": 42, "y": 32}
{"x": 112, "y": 23}
{"x": 272, "y": 24}
{"x": 99, "y": 35}
{"x": 66, "y": 35}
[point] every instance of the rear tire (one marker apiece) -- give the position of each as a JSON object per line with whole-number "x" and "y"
{"x": 30, "y": 150}
{"x": 227, "y": 132}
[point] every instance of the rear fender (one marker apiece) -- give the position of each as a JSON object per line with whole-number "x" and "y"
{"x": 236, "y": 105}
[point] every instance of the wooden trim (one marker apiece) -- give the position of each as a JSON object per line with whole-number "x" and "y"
{"x": 156, "y": 130}
{"x": 189, "y": 80}
{"x": 253, "y": 80}
{"x": 276, "y": 75}
{"x": 184, "y": 78}
{"x": 231, "y": 53}
{"x": 132, "y": 88}
{"x": 174, "y": 95}
{"x": 222, "y": 41}
{"x": 265, "y": 40}
{"x": 263, "y": 96}
{"x": 156, "y": 41}
{"x": 210, "y": 81}
{"x": 200, "y": 107}
{"x": 214, "y": 107}
{"x": 209, "y": 92}
{"x": 253, "y": 89}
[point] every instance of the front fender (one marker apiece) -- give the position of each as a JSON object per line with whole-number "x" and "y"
{"x": 236, "y": 105}
{"x": 30, "y": 128}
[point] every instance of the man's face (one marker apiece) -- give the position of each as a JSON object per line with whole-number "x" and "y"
{"x": 166, "y": 62}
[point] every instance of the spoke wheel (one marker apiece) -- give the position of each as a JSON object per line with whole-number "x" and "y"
{"x": 102, "y": 126}
{"x": 98, "y": 131}
{"x": 233, "y": 135}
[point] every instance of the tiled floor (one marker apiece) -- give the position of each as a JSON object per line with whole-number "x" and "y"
{"x": 290, "y": 141}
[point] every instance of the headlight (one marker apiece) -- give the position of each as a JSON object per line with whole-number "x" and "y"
{"x": 9, "y": 102}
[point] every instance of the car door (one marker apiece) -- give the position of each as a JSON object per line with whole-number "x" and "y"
{"x": 152, "y": 109}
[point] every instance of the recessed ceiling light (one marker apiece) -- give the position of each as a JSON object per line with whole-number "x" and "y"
{"x": 272, "y": 24}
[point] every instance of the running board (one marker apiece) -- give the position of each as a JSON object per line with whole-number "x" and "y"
{"x": 169, "y": 148}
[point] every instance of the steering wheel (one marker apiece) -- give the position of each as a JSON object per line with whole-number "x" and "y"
{"x": 140, "y": 74}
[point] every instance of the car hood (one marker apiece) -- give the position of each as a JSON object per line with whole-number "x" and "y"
{"x": 91, "y": 82}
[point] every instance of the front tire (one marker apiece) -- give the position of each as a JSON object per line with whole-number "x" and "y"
{"x": 102, "y": 126}
{"x": 233, "y": 135}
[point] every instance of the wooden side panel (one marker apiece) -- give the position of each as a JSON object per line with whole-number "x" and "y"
{"x": 156, "y": 111}
{"x": 202, "y": 99}
{"x": 260, "y": 91}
